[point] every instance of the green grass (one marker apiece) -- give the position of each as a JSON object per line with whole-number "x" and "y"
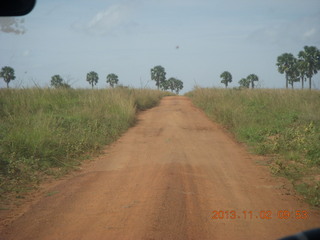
{"x": 281, "y": 123}
{"x": 47, "y": 131}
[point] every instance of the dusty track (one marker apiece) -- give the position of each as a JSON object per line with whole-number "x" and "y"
{"x": 162, "y": 180}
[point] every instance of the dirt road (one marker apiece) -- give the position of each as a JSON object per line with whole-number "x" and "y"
{"x": 164, "y": 179}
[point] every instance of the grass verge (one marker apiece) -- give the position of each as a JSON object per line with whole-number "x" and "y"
{"x": 281, "y": 123}
{"x": 48, "y": 131}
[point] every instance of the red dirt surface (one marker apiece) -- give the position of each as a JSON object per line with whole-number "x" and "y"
{"x": 164, "y": 179}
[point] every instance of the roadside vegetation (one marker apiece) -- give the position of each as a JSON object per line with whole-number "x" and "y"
{"x": 283, "y": 124}
{"x": 47, "y": 132}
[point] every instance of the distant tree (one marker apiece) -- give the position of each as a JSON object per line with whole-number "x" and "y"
{"x": 92, "y": 78}
{"x": 302, "y": 70}
{"x": 178, "y": 85}
{"x": 311, "y": 57}
{"x": 285, "y": 63}
{"x": 158, "y": 74}
{"x": 293, "y": 80}
{"x": 294, "y": 75}
{"x": 173, "y": 84}
{"x": 165, "y": 85}
{"x": 244, "y": 83}
{"x": 226, "y": 78}
{"x": 58, "y": 82}
{"x": 112, "y": 79}
{"x": 170, "y": 84}
{"x": 7, "y": 73}
{"x": 253, "y": 78}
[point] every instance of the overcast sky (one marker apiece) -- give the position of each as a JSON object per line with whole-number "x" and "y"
{"x": 129, "y": 37}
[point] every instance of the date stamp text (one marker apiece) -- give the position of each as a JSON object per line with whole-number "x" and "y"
{"x": 260, "y": 214}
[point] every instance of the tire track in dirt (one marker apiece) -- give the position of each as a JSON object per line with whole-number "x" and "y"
{"x": 162, "y": 180}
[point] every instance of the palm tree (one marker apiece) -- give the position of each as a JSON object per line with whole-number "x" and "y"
{"x": 302, "y": 71}
{"x": 285, "y": 63}
{"x": 7, "y": 73}
{"x": 92, "y": 78}
{"x": 311, "y": 57}
{"x": 253, "y": 78}
{"x": 294, "y": 76}
{"x": 158, "y": 74}
{"x": 226, "y": 78}
{"x": 112, "y": 79}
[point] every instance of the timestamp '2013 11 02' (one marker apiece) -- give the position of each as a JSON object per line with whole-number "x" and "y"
{"x": 260, "y": 214}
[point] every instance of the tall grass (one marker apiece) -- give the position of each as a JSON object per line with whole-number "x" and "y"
{"x": 282, "y": 123}
{"x": 47, "y": 131}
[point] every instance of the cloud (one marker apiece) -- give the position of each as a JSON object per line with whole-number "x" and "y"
{"x": 12, "y": 25}
{"x": 108, "y": 21}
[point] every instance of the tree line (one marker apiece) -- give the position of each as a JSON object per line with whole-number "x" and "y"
{"x": 299, "y": 69}
{"x": 92, "y": 78}
{"x": 295, "y": 69}
{"x": 158, "y": 74}
{"x": 226, "y": 78}
{"x": 7, "y": 73}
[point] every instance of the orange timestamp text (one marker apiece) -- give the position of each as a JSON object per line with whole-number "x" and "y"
{"x": 260, "y": 214}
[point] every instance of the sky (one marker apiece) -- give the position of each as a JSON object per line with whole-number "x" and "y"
{"x": 194, "y": 40}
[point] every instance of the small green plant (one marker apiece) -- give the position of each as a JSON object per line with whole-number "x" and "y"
{"x": 311, "y": 192}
